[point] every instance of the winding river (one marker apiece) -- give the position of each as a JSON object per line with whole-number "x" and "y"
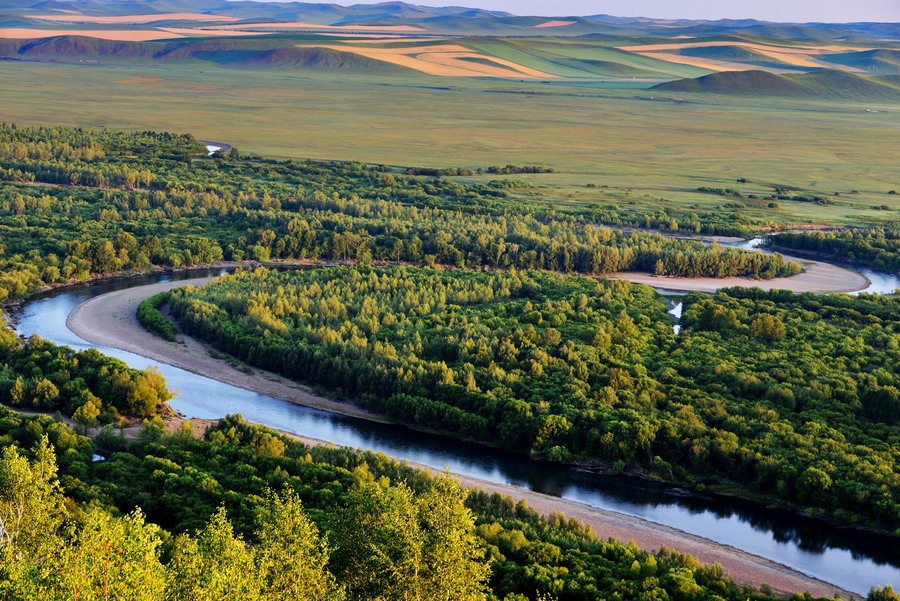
{"x": 847, "y": 558}
{"x": 879, "y": 281}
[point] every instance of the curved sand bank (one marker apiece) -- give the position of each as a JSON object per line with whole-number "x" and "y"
{"x": 110, "y": 320}
{"x": 817, "y": 277}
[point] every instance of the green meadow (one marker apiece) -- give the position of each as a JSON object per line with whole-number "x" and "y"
{"x": 610, "y": 143}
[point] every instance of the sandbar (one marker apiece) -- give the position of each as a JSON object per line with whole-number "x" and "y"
{"x": 817, "y": 277}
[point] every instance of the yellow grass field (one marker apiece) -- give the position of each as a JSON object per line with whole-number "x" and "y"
{"x": 802, "y": 60}
{"x": 136, "y": 19}
{"x": 554, "y": 24}
{"x": 753, "y": 46}
{"x": 445, "y": 61}
{"x": 301, "y": 25}
{"x": 131, "y": 35}
{"x": 708, "y": 63}
{"x": 189, "y": 31}
{"x": 790, "y": 56}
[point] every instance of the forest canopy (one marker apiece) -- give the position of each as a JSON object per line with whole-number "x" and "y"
{"x": 571, "y": 368}
{"x": 226, "y": 518}
{"x": 79, "y": 202}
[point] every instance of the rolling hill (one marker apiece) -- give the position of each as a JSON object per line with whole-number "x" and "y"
{"x": 368, "y": 37}
{"x": 876, "y": 62}
{"x": 247, "y": 53}
{"x": 821, "y": 84}
{"x": 452, "y": 19}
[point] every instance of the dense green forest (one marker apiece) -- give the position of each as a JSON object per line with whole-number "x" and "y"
{"x": 572, "y": 368}
{"x": 877, "y": 247}
{"x": 249, "y": 514}
{"x": 793, "y": 397}
{"x": 40, "y": 376}
{"x": 80, "y": 202}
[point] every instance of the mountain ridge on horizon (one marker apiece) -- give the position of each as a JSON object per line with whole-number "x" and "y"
{"x": 453, "y": 41}
{"x": 397, "y": 6}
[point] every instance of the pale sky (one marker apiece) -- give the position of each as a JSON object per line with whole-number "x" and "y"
{"x": 799, "y": 11}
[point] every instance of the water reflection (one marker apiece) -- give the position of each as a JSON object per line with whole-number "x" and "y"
{"x": 850, "y": 559}
{"x": 675, "y": 312}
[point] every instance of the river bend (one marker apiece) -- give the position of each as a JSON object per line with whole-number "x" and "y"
{"x": 849, "y": 559}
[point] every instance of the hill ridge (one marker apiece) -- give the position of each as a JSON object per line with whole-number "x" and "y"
{"x": 822, "y": 83}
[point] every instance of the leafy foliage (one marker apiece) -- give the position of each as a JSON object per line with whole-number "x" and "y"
{"x": 37, "y": 374}
{"x": 878, "y": 247}
{"x": 573, "y": 368}
{"x": 436, "y": 538}
{"x": 153, "y": 320}
{"x": 111, "y": 201}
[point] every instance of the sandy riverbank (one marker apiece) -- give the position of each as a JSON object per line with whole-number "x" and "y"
{"x": 817, "y": 277}
{"x": 110, "y": 320}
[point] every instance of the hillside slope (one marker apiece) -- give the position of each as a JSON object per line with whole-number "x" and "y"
{"x": 826, "y": 83}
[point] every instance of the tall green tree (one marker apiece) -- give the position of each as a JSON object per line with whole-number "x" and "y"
{"x": 291, "y": 558}
{"x": 31, "y": 516}
{"x": 213, "y": 565}
{"x": 111, "y": 559}
{"x": 455, "y": 568}
{"x": 378, "y": 552}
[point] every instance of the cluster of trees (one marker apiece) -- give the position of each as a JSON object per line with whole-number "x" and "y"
{"x": 877, "y": 247}
{"x": 495, "y": 357}
{"x": 38, "y": 375}
{"x": 799, "y": 393}
{"x": 225, "y": 520}
{"x": 388, "y": 544}
{"x": 153, "y": 320}
{"x": 724, "y": 263}
{"x": 126, "y": 201}
{"x": 574, "y": 368}
{"x": 465, "y": 172}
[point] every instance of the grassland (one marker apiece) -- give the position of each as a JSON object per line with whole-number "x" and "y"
{"x": 609, "y": 142}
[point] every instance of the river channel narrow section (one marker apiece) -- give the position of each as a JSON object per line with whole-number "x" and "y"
{"x": 850, "y": 559}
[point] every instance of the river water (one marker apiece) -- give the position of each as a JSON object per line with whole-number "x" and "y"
{"x": 850, "y": 559}
{"x": 879, "y": 281}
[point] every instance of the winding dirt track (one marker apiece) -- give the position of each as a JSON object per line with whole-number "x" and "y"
{"x": 110, "y": 320}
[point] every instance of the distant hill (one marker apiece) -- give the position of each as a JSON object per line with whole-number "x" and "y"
{"x": 266, "y": 34}
{"x": 820, "y": 84}
{"x": 315, "y": 58}
{"x": 881, "y": 62}
{"x": 76, "y": 47}
{"x": 459, "y": 19}
{"x": 251, "y": 53}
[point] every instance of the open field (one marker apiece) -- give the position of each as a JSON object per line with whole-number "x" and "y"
{"x": 556, "y": 23}
{"x": 445, "y": 60}
{"x": 608, "y": 146}
{"x": 707, "y": 63}
{"x": 316, "y": 26}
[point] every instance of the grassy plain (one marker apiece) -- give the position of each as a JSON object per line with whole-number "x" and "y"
{"x": 609, "y": 143}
